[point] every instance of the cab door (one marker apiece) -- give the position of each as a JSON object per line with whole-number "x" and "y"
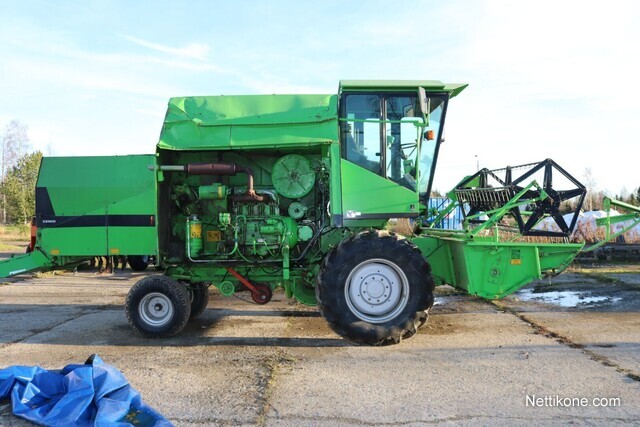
{"x": 380, "y": 146}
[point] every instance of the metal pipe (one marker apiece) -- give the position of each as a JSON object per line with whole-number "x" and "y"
{"x": 211, "y": 168}
{"x": 250, "y": 191}
{"x": 217, "y": 169}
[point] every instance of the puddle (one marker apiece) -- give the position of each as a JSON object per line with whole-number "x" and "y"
{"x": 443, "y": 300}
{"x": 565, "y": 298}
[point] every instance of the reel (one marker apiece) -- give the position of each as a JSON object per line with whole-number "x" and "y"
{"x": 529, "y": 194}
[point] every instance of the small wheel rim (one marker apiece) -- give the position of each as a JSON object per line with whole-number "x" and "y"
{"x": 156, "y": 309}
{"x": 377, "y": 290}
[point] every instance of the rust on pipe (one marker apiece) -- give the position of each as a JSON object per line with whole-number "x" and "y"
{"x": 211, "y": 169}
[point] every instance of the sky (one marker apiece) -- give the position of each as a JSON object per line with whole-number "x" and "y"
{"x": 547, "y": 79}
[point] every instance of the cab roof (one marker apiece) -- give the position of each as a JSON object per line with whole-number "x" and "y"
{"x": 429, "y": 85}
{"x": 255, "y": 121}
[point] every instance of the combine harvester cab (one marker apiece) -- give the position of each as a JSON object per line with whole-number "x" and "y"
{"x": 90, "y": 206}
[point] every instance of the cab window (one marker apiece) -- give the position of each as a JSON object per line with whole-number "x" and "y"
{"x": 361, "y": 131}
{"x": 379, "y": 133}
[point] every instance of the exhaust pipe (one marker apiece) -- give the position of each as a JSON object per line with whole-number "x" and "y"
{"x": 228, "y": 169}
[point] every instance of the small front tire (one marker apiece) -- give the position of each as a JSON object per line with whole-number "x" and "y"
{"x": 138, "y": 262}
{"x": 158, "y": 307}
{"x": 199, "y": 294}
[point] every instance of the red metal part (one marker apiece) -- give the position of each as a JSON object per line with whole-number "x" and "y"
{"x": 264, "y": 294}
{"x": 260, "y": 292}
{"x": 34, "y": 233}
{"x": 248, "y": 284}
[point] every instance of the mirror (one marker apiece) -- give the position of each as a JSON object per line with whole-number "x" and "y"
{"x": 424, "y": 104}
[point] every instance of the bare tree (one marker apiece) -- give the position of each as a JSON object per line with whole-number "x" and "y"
{"x": 590, "y": 183}
{"x": 15, "y": 143}
{"x": 623, "y": 194}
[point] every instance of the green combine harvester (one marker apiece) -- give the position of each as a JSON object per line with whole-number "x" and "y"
{"x": 295, "y": 191}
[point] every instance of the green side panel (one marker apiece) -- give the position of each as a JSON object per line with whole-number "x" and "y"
{"x": 251, "y": 121}
{"x": 132, "y": 241}
{"x": 438, "y": 254}
{"x": 334, "y": 185}
{"x": 21, "y": 264}
{"x": 74, "y": 241}
{"x": 493, "y": 270}
{"x": 77, "y": 198}
{"x": 80, "y": 185}
{"x": 365, "y": 193}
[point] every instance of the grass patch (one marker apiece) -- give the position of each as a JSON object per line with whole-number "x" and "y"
{"x": 14, "y": 238}
{"x": 401, "y": 226}
{"x": 10, "y": 248}
{"x": 623, "y": 268}
{"x": 15, "y": 232}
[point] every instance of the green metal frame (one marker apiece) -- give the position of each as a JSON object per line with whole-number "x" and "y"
{"x": 484, "y": 261}
{"x": 607, "y": 221}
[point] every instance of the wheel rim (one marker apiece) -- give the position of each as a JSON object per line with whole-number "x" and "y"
{"x": 156, "y": 309}
{"x": 377, "y": 290}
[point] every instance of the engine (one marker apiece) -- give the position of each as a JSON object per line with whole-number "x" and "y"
{"x": 229, "y": 211}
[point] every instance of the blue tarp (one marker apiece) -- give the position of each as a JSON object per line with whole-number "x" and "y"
{"x": 93, "y": 394}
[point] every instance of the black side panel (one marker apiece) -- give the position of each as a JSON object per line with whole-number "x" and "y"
{"x": 96, "y": 221}
{"x": 43, "y": 203}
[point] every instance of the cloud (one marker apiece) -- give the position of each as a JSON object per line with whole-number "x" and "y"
{"x": 198, "y": 51}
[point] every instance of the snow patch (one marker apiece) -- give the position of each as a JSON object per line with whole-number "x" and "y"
{"x": 586, "y": 228}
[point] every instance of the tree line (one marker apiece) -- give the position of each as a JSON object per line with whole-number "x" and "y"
{"x": 18, "y": 175}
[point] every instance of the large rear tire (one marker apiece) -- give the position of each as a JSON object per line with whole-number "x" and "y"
{"x": 374, "y": 288}
{"x": 158, "y": 307}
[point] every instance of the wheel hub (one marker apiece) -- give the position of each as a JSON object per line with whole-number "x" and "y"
{"x": 374, "y": 288}
{"x": 377, "y": 290}
{"x": 156, "y": 309}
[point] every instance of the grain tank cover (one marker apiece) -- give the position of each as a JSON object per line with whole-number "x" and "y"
{"x": 249, "y": 121}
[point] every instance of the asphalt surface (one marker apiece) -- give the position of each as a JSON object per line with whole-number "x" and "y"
{"x": 518, "y": 361}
